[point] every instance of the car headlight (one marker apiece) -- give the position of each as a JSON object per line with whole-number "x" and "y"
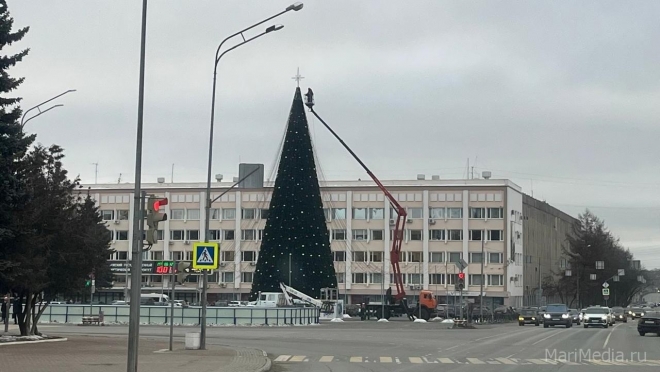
{"x": 533, "y": 318}
{"x": 547, "y": 316}
{"x": 641, "y": 314}
{"x": 604, "y": 317}
{"x": 521, "y": 318}
{"x": 564, "y": 316}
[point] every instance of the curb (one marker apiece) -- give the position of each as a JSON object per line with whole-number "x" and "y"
{"x": 32, "y": 342}
{"x": 268, "y": 364}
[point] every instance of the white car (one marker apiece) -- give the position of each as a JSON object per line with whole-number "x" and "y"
{"x": 597, "y": 316}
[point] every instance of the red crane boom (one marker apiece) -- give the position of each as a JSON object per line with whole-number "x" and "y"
{"x": 397, "y": 237}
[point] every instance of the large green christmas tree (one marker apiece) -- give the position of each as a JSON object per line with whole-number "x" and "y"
{"x": 296, "y": 243}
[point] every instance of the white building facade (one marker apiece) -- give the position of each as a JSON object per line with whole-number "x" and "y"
{"x": 448, "y": 220}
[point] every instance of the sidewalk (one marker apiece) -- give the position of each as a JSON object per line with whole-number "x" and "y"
{"x": 108, "y": 354}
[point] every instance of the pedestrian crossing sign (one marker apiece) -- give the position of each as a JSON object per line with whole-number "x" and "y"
{"x": 205, "y": 256}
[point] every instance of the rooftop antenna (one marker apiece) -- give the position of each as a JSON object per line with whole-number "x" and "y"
{"x": 96, "y": 172}
{"x": 119, "y": 180}
{"x": 172, "y": 178}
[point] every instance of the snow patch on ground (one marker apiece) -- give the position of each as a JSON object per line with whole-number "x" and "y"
{"x": 22, "y": 338}
{"x": 383, "y": 320}
{"x": 419, "y": 321}
{"x": 337, "y": 320}
{"x": 346, "y": 316}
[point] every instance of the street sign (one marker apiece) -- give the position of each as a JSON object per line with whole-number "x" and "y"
{"x": 606, "y": 285}
{"x": 622, "y": 272}
{"x": 461, "y": 264}
{"x": 205, "y": 256}
{"x": 606, "y": 291}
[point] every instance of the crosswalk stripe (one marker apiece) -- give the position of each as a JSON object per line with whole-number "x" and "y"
{"x": 326, "y": 359}
{"x": 385, "y": 359}
{"x": 475, "y": 361}
{"x": 416, "y": 360}
{"x": 282, "y": 358}
{"x": 446, "y": 361}
{"x": 653, "y": 362}
{"x": 297, "y": 358}
{"x": 505, "y": 361}
{"x": 569, "y": 363}
{"x": 355, "y": 360}
{"x": 599, "y": 362}
{"x": 492, "y": 362}
{"x": 550, "y": 361}
{"x": 536, "y": 361}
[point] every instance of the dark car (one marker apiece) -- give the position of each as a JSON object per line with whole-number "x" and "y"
{"x": 649, "y": 323}
{"x": 636, "y": 312}
{"x": 619, "y": 314}
{"x": 528, "y": 316}
{"x": 575, "y": 316}
{"x": 557, "y": 314}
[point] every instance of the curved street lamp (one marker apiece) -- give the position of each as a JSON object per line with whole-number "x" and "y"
{"x": 207, "y": 209}
{"x": 38, "y": 108}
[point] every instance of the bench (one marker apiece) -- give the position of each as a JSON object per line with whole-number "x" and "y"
{"x": 94, "y": 319}
{"x": 460, "y": 323}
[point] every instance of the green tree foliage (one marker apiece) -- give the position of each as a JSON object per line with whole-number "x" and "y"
{"x": 591, "y": 241}
{"x": 296, "y": 237}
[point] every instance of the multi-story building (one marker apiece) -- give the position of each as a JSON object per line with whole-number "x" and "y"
{"x": 448, "y": 220}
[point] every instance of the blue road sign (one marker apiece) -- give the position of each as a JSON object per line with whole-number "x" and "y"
{"x": 205, "y": 256}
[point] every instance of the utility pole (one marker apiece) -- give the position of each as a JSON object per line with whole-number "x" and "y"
{"x": 483, "y": 277}
{"x": 540, "y": 288}
{"x": 96, "y": 172}
{"x": 174, "y": 265}
{"x": 577, "y": 269}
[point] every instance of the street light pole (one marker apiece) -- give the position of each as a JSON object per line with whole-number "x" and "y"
{"x": 483, "y": 277}
{"x": 207, "y": 207}
{"x": 38, "y": 108}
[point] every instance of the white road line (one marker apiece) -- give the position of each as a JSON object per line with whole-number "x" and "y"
{"x": 446, "y": 361}
{"x": 537, "y": 361}
{"x": 505, "y": 360}
{"x": 415, "y": 360}
{"x": 552, "y": 335}
{"x": 475, "y": 361}
{"x": 355, "y": 360}
{"x": 386, "y": 359}
{"x": 607, "y": 340}
{"x": 282, "y": 358}
{"x": 326, "y": 359}
{"x": 297, "y": 358}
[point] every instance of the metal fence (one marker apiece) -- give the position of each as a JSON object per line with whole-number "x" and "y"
{"x": 185, "y": 315}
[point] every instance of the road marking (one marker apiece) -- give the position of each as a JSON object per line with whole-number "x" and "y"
{"x": 282, "y": 358}
{"x": 297, "y": 358}
{"x": 416, "y": 360}
{"x": 492, "y": 362}
{"x": 505, "y": 360}
{"x": 607, "y": 340}
{"x": 536, "y": 361}
{"x": 475, "y": 361}
{"x": 326, "y": 359}
{"x": 355, "y": 360}
{"x": 446, "y": 361}
{"x": 385, "y": 359}
{"x": 396, "y": 359}
{"x": 599, "y": 362}
{"x": 552, "y": 335}
{"x": 429, "y": 361}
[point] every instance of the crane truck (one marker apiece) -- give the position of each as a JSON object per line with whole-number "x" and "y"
{"x": 395, "y": 304}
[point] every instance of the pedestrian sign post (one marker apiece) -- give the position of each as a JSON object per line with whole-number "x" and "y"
{"x": 205, "y": 256}
{"x": 606, "y": 291}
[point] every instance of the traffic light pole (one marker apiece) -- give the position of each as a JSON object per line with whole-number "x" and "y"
{"x": 173, "y": 279}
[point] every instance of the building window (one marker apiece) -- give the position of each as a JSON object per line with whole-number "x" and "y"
{"x": 338, "y": 213}
{"x": 246, "y": 277}
{"x": 193, "y": 214}
{"x": 177, "y": 214}
{"x": 339, "y": 256}
{"x": 414, "y": 279}
{"x": 375, "y": 257}
{"x": 359, "y": 213}
{"x": 228, "y": 256}
{"x": 340, "y": 277}
{"x": 455, "y": 213}
{"x": 403, "y": 278}
{"x": 122, "y": 235}
{"x": 600, "y": 265}
{"x": 495, "y": 279}
{"x": 393, "y": 213}
{"x": 476, "y": 279}
{"x": 215, "y": 235}
{"x": 415, "y": 213}
{"x": 562, "y": 263}
{"x": 227, "y": 277}
{"x": 415, "y": 256}
{"x": 495, "y": 257}
{"x": 248, "y": 214}
{"x": 360, "y": 234}
{"x": 108, "y": 215}
{"x": 452, "y": 279}
{"x": 455, "y": 235}
{"x": 264, "y": 213}
{"x": 228, "y": 213}
{"x": 376, "y": 234}
{"x": 476, "y": 235}
{"x": 436, "y": 256}
{"x": 476, "y": 257}
{"x": 437, "y": 234}
{"x": 260, "y": 234}
{"x": 359, "y": 256}
{"x": 477, "y": 213}
{"x": 376, "y": 213}
{"x": 228, "y": 234}
{"x": 437, "y": 279}
{"x": 215, "y": 214}
{"x": 122, "y": 214}
{"x": 157, "y": 255}
{"x": 339, "y": 234}
{"x": 192, "y": 235}
{"x": 375, "y": 278}
{"x": 495, "y": 235}
{"x": 249, "y": 256}
{"x": 415, "y": 234}
{"x": 249, "y": 234}
{"x": 455, "y": 256}
{"x": 327, "y": 212}
{"x": 359, "y": 278}
{"x": 437, "y": 213}
{"x": 495, "y": 213}
{"x": 177, "y": 235}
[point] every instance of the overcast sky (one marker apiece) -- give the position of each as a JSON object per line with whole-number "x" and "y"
{"x": 561, "y": 97}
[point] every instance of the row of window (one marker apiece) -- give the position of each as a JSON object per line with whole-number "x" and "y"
{"x": 330, "y": 213}
{"x": 415, "y": 278}
{"x": 416, "y": 256}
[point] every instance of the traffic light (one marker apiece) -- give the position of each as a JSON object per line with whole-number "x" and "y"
{"x": 154, "y": 216}
{"x": 461, "y": 281}
{"x": 182, "y": 271}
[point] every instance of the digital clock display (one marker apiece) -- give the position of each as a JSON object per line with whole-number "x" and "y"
{"x": 163, "y": 267}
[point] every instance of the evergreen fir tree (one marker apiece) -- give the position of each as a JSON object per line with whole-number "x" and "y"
{"x": 296, "y": 231}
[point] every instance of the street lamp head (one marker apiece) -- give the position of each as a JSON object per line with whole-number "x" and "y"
{"x": 295, "y": 6}
{"x": 274, "y": 28}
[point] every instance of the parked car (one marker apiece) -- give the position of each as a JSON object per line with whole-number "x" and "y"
{"x": 597, "y": 316}
{"x": 649, "y": 323}
{"x": 619, "y": 314}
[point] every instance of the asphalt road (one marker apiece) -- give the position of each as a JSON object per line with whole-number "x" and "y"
{"x": 405, "y": 346}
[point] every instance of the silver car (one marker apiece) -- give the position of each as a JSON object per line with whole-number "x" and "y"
{"x": 597, "y": 316}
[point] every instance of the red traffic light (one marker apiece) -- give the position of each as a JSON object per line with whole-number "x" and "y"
{"x": 461, "y": 275}
{"x": 158, "y": 203}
